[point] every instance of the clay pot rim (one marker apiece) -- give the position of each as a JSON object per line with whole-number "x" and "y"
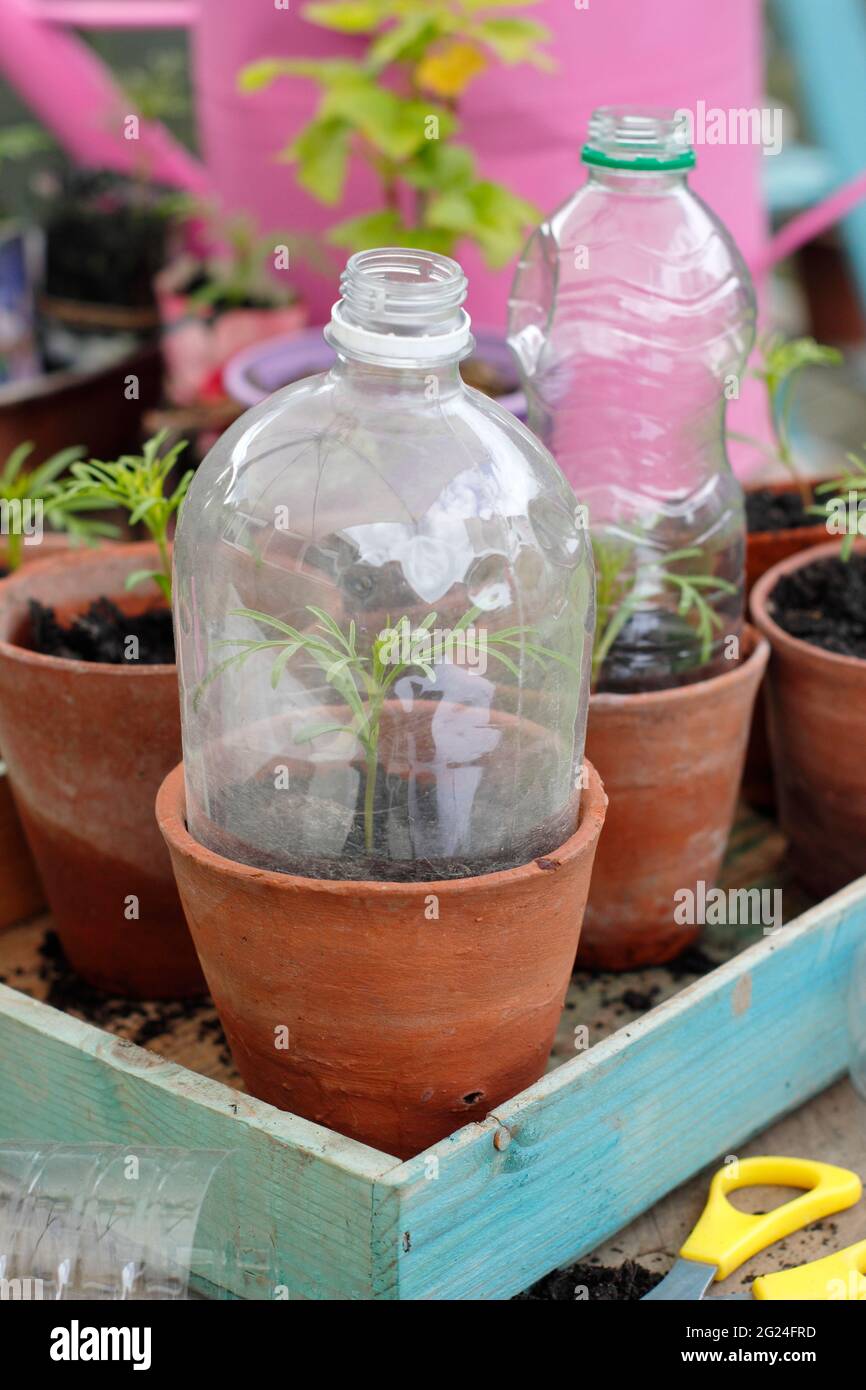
{"x": 757, "y": 650}
{"x": 11, "y": 651}
{"x": 171, "y": 817}
{"x": 776, "y": 635}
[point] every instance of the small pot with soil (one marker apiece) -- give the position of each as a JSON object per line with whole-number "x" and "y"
{"x": 671, "y": 762}
{"x": 407, "y": 1009}
{"x": 779, "y": 521}
{"x": 89, "y": 726}
{"x": 812, "y": 609}
{"x": 213, "y": 308}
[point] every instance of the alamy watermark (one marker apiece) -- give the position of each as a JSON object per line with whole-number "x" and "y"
{"x": 404, "y": 645}
{"x": 738, "y": 125}
{"x": 719, "y": 907}
{"x": 22, "y": 516}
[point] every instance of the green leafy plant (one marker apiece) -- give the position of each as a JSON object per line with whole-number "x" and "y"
{"x": 851, "y": 483}
{"x": 137, "y": 484}
{"x": 23, "y": 491}
{"x": 618, "y": 588}
{"x": 781, "y": 361}
{"x": 362, "y": 680}
{"x": 238, "y": 274}
{"x": 397, "y": 109}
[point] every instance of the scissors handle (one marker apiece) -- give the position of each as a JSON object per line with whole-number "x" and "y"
{"x": 726, "y": 1237}
{"x": 840, "y": 1276}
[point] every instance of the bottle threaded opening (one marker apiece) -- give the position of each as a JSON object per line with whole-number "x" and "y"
{"x": 400, "y": 302}
{"x": 623, "y": 137}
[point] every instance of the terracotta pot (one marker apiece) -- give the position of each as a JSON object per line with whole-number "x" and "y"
{"x": 400, "y": 1028}
{"x": 671, "y": 763}
{"x": 763, "y": 550}
{"x": 816, "y": 705}
{"x": 766, "y": 548}
{"x": 86, "y": 746}
{"x": 81, "y": 406}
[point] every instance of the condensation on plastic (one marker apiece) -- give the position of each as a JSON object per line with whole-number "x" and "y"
{"x": 631, "y": 315}
{"x": 857, "y": 1022}
{"x": 100, "y": 1222}
{"x": 378, "y": 491}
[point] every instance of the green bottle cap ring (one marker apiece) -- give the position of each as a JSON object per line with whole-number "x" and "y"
{"x": 686, "y": 160}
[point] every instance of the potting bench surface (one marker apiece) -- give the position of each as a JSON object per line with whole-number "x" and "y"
{"x": 644, "y": 1091}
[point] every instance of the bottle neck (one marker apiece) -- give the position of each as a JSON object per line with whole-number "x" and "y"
{"x": 424, "y": 381}
{"x": 638, "y": 183}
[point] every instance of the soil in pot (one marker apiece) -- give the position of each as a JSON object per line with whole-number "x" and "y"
{"x": 394, "y": 818}
{"x": 87, "y": 743}
{"x": 102, "y": 634}
{"x": 811, "y": 607}
{"x": 825, "y": 603}
{"x": 777, "y": 509}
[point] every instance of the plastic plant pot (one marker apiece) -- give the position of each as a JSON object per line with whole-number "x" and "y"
{"x": 256, "y": 373}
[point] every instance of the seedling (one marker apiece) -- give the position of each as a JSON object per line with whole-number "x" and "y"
{"x": 363, "y": 681}
{"x": 136, "y": 482}
{"x": 396, "y": 109}
{"x": 39, "y": 492}
{"x": 852, "y": 481}
{"x": 618, "y": 590}
{"x": 781, "y": 361}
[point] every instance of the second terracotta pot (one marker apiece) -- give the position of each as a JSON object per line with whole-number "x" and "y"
{"x": 816, "y": 706}
{"x": 764, "y": 549}
{"x": 671, "y": 763}
{"x": 87, "y": 745}
{"x": 391, "y": 1012}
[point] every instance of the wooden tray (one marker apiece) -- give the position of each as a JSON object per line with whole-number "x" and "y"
{"x": 658, "y": 1093}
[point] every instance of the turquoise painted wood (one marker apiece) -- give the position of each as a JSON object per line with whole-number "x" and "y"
{"x": 556, "y": 1171}
{"x": 291, "y": 1206}
{"x": 603, "y": 1137}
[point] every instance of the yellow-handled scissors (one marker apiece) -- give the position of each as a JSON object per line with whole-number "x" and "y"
{"x": 725, "y": 1237}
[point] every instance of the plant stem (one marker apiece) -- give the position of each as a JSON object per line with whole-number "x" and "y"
{"x": 371, "y": 745}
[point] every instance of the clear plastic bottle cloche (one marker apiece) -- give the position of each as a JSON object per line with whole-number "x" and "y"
{"x": 383, "y": 610}
{"x": 631, "y": 316}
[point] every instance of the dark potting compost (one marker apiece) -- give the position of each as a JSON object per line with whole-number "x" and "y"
{"x": 767, "y": 510}
{"x": 623, "y": 1283}
{"x": 139, "y": 1021}
{"x": 315, "y": 836}
{"x": 101, "y": 634}
{"x": 825, "y": 604}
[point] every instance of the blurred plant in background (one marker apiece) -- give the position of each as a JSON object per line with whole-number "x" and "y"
{"x": 780, "y": 361}
{"x": 397, "y": 108}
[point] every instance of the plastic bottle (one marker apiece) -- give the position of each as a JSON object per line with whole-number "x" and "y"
{"x": 415, "y": 560}
{"x": 631, "y": 315}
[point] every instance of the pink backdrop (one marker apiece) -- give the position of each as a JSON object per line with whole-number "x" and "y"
{"x": 526, "y": 127}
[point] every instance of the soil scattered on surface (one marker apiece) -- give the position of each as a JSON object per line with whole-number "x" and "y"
{"x": 825, "y": 604}
{"x": 623, "y": 1283}
{"x": 102, "y": 634}
{"x": 776, "y": 511}
{"x": 141, "y": 1021}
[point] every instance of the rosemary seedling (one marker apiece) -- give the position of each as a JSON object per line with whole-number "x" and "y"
{"x": 781, "y": 360}
{"x": 852, "y": 481}
{"x": 362, "y": 680}
{"x": 38, "y": 496}
{"x": 136, "y": 483}
{"x": 617, "y": 595}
